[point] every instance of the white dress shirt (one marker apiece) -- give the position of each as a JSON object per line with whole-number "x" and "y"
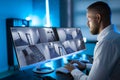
{"x": 106, "y": 64}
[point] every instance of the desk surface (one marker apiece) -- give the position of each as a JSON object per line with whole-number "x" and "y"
{"x": 30, "y": 75}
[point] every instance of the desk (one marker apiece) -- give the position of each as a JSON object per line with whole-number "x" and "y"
{"x": 30, "y": 75}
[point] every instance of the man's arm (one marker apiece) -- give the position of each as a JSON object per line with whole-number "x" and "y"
{"x": 100, "y": 67}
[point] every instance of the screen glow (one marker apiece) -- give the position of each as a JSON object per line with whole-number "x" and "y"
{"x": 48, "y": 23}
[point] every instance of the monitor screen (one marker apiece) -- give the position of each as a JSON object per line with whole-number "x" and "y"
{"x": 35, "y": 44}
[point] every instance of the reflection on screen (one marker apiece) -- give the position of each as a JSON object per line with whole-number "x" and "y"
{"x": 35, "y": 44}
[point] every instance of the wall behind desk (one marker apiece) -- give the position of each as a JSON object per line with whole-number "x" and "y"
{"x": 10, "y": 9}
{"x": 90, "y": 48}
{"x": 22, "y": 9}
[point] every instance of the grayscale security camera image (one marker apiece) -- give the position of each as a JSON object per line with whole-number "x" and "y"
{"x": 36, "y": 44}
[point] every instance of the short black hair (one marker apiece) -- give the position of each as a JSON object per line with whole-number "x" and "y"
{"x": 102, "y": 8}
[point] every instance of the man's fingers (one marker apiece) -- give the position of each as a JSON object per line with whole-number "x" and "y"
{"x": 69, "y": 66}
{"x": 75, "y": 61}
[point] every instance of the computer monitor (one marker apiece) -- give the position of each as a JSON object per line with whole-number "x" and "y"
{"x": 35, "y": 45}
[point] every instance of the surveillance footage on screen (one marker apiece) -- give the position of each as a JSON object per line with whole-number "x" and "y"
{"x": 36, "y": 44}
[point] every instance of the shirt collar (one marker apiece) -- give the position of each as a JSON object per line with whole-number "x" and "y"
{"x": 104, "y": 32}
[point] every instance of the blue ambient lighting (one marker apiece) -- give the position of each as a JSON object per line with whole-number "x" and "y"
{"x": 85, "y": 39}
{"x": 48, "y": 23}
{"x": 74, "y": 56}
{"x": 28, "y": 18}
{"x": 65, "y": 60}
{"x": 84, "y": 57}
{"x": 49, "y": 64}
{"x": 46, "y": 15}
{"x": 35, "y": 21}
{"x": 38, "y": 20}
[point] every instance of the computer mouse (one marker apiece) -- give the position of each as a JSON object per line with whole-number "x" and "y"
{"x": 48, "y": 78}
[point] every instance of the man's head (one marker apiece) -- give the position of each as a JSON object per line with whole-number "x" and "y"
{"x": 99, "y": 16}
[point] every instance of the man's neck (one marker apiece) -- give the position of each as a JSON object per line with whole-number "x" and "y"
{"x": 104, "y": 25}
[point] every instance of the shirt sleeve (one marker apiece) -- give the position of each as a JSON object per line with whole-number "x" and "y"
{"x": 81, "y": 74}
{"x": 88, "y": 65}
{"x": 100, "y": 67}
{"x": 78, "y": 75}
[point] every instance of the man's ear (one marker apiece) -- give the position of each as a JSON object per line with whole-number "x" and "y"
{"x": 98, "y": 17}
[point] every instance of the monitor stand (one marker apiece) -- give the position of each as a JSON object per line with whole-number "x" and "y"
{"x": 43, "y": 68}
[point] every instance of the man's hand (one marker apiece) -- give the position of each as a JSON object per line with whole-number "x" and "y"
{"x": 70, "y": 67}
{"x": 81, "y": 65}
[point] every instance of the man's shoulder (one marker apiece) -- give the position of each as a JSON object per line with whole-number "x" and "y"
{"x": 112, "y": 36}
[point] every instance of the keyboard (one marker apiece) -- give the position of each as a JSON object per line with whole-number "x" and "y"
{"x": 62, "y": 70}
{"x": 65, "y": 71}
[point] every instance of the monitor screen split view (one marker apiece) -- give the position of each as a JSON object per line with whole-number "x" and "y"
{"x": 36, "y": 44}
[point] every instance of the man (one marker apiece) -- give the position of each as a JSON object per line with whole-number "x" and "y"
{"x": 106, "y": 64}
